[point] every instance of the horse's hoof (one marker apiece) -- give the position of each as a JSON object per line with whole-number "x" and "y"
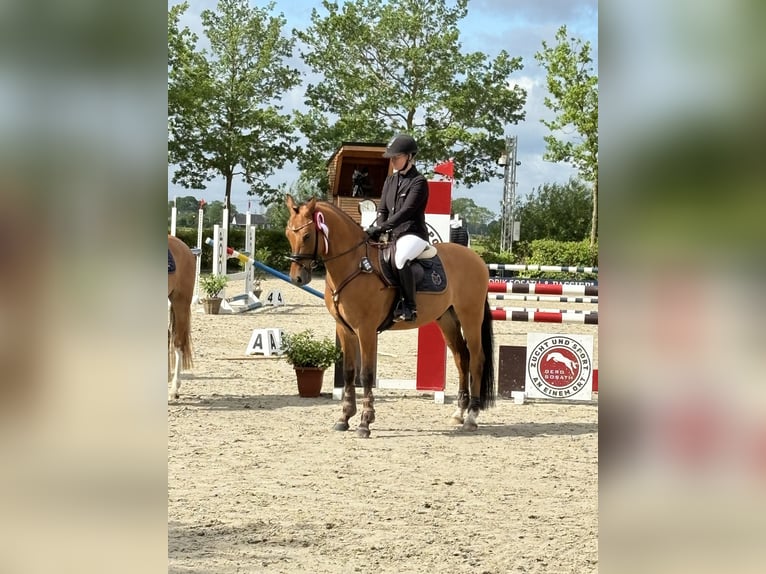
{"x": 363, "y": 432}
{"x": 470, "y": 426}
{"x": 340, "y": 426}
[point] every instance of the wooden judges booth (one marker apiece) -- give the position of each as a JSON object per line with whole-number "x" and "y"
{"x": 356, "y": 171}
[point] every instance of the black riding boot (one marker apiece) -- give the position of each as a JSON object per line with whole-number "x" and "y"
{"x": 407, "y": 285}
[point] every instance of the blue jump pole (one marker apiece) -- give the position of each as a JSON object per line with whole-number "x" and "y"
{"x": 244, "y": 258}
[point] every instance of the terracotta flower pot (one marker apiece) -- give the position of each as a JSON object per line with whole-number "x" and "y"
{"x": 212, "y": 305}
{"x": 309, "y": 381}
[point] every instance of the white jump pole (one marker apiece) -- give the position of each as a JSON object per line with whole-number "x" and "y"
{"x": 249, "y": 248}
{"x": 173, "y": 215}
{"x": 200, "y": 218}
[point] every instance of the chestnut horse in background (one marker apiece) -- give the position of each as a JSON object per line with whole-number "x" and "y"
{"x": 180, "y": 293}
{"x": 360, "y": 302}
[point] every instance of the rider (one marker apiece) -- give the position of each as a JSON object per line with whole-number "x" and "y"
{"x": 401, "y": 212}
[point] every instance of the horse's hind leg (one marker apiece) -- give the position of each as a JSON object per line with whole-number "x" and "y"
{"x": 450, "y": 327}
{"x": 472, "y": 332}
{"x": 179, "y": 340}
{"x": 175, "y": 383}
{"x": 348, "y": 343}
{"x": 175, "y": 356}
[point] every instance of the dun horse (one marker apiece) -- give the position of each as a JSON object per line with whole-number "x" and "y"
{"x": 180, "y": 293}
{"x": 361, "y": 302}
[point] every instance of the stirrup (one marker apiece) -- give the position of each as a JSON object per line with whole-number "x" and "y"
{"x": 406, "y": 314}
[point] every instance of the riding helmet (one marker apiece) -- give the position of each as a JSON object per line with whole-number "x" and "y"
{"x": 401, "y": 144}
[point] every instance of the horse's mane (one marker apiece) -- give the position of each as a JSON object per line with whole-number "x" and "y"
{"x": 338, "y": 211}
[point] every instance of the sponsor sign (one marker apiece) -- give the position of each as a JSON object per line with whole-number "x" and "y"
{"x": 559, "y": 366}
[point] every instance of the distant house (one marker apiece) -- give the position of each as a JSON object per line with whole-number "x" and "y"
{"x": 256, "y": 219}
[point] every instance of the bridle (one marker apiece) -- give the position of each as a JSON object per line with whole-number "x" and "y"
{"x": 300, "y": 257}
{"x": 314, "y": 258}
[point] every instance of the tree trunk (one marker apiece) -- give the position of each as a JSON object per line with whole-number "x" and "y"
{"x": 227, "y": 199}
{"x": 594, "y": 217}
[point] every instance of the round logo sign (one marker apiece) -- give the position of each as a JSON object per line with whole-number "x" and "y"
{"x": 559, "y": 366}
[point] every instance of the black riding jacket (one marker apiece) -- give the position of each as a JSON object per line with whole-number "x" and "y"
{"x": 402, "y": 207}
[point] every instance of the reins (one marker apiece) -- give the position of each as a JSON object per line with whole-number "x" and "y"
{"x": 315, "y": 259}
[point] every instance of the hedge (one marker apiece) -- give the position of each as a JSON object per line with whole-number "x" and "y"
{"x": 270, "y": 243}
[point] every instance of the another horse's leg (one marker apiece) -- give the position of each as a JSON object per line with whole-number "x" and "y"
{"x": 368, "y": 348}
{"x": 180, "y": 341}
{"x": 348, "y": 343}
{"x": 450, "y": 327}
{"x": 174, "y": 354}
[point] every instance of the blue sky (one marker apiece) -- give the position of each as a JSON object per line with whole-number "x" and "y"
{"x": 517, "y": 26}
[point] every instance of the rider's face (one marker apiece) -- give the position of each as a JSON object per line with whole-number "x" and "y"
{"x": 399, "y": 161}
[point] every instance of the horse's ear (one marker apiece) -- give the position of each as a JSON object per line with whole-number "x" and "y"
{"x": 291, "y": 203}
{"x": 311, "y": 204}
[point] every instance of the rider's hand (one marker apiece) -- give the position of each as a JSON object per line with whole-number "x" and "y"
{"x": 374, "y": 231}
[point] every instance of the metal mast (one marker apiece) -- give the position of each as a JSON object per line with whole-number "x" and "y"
{"x": 508, "y": 160}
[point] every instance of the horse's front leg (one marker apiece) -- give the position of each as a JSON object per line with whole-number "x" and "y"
{"x": 368, "y": 347}
{"x": 349, "y": 344}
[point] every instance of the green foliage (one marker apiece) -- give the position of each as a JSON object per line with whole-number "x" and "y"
{"x": 224, "y": 103}
{"x": 211, "y": 285}
{"x": 575, "y": 253}
{"x": 573, "y": 89}
{"x": 390, "y": 67}
{"x": 559, "y": 212}
{"x": 273, "y": 246}
{"x": 491, "y": 254}
{"x": 304, "y": 350}
{"x": 269, "y": 241}
{"x": 476, "y": 217}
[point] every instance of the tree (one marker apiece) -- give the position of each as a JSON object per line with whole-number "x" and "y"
{"x": 187, "y": 211}
{"x": 277, "y": 212}
{"x": 476, "y": 217}
{"x": 391, "y": 67}
{"x": 223, "y": 103}
{"x": 573, "y": 89}
{"x": 559, "y": 212}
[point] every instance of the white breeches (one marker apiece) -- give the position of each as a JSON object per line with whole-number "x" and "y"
{"x": 407, "y": 248}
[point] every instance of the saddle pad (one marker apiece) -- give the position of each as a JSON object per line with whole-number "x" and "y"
{"x": 428, "y": 273}
{"x": 171, "y": 263}
{"x": 432, "y": 278}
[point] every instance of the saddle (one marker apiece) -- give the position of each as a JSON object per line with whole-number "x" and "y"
{"x": 427, "y": 270}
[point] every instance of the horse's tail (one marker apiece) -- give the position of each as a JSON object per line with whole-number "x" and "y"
{"x": 180, "y": 338}
{"x": 487, "y": 392}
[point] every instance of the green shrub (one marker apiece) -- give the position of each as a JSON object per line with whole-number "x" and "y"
{"x": 270, "y": 240}
{"x": 304, "y": 350}
{"x": 211, "y": 285}
{"x": 571, "y": 253}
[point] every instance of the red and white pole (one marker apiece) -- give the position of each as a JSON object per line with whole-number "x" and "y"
{"x": 432, "y": 350}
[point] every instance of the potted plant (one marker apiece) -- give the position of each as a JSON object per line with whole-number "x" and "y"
{"x": 310, "y": 357}
{"x": 211, "y": 286}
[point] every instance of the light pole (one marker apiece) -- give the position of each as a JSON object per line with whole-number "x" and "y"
{"x": 509, "y": 163}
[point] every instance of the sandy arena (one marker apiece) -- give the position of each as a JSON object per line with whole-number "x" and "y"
{"x": 258, "y": 482}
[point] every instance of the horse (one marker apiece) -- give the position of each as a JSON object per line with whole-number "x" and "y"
{"x": 361, "y": 302}
{"x": 180, "y": 293}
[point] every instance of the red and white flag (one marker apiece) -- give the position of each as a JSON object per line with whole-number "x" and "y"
{"x": 446, "y": 169}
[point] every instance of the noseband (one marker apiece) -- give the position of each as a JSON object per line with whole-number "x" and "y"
{"x": 300, "y": 257}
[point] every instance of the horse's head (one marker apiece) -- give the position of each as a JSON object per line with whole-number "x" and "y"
{"x": 304, "y": 239}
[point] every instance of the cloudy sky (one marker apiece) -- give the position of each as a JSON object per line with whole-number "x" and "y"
{"x": 517, "y": 26}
